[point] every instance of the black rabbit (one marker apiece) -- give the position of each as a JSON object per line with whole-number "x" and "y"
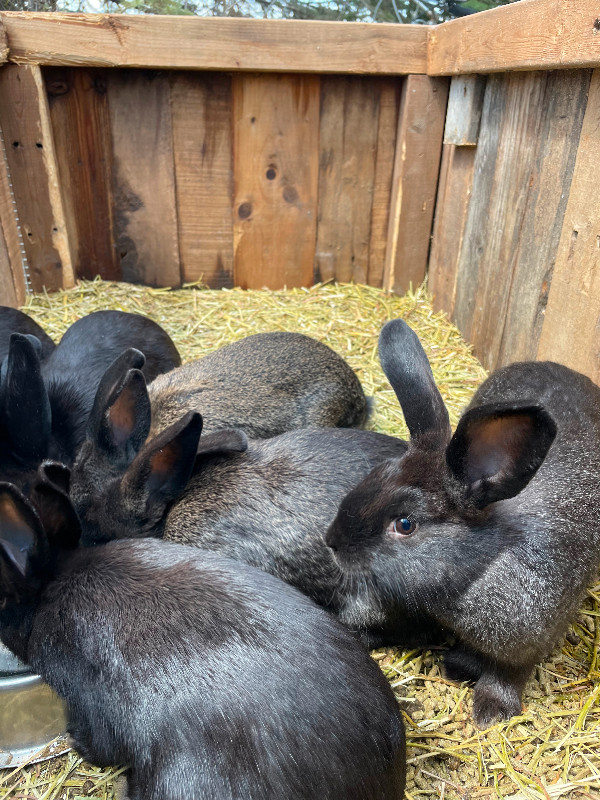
{"x": 493, "y": 532}
{"x": 205, "y": 677}
{"x": 264, "y": 384}
{"x": 44, "y": 406}
{"x": 14, "y": 321}
{"x": 267, "y": 502}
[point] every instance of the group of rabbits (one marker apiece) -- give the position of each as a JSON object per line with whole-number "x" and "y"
{"x": 221, "y": 672}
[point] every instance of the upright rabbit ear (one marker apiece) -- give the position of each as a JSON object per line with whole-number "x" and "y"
{"x": 120, "y": 418}
{"x": 25, "y": 403}
{"x": 409, "y": 373}
{"x": 497, "y": 449}
{"x": 160, "y": 472}
{"x": 20, "y": 533}
{"x": 59, "y": 518}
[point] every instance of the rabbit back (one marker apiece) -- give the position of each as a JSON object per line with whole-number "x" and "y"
{"x": 264, "y": 384}
{"x": 200, "y": 672}
{"x": 14, "y": 321}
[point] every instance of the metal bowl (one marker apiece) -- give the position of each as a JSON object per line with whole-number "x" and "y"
{"x": 31, "y": 714}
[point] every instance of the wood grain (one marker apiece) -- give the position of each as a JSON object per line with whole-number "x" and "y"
{"x": 571, "y": 326}
{"x": 347, "y": 152}
{"x": 454, "y": 194}
{"x": 389, "y": 104}
{"x": 276, "y": 135}
{"x": 145, "y": 218}
{"x": 416, "y": 171}
{"x": 25, "y": 121}
{"x": 202, "y": 145}
{"x": 531, "y": 34}
{"x": 79, "y": 113}
{"x": 163, "y": 42}
{"x": 465, "y": 102}
{"x": 12, "y": 276}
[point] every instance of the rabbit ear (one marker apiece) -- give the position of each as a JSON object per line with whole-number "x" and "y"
{"x": 56, "y": 474}
{"x": 59, "y": 518}
{"x": 124, "y": 422}
{"x": 497, "y": 449}
{"x": 20, "y": 531}
{"x": 113, "y": 378}
{"x": 407, "y": 368}
{"x": 221, "y": 443}
{"x": 25, "y": 403}
{"x": 160, "y": 472}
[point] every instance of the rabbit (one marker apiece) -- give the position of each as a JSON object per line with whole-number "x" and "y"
{"x": 14, "y": 321}
{"x": 265, "y": 384}
{"x": 44, "y": 406}
{"x": 205, "y": 677}
{"x": 494, "y": 531}
{"x": 267, "y": 502}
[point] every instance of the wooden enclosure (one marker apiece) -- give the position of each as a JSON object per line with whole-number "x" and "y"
{"x": 258, "y": 153}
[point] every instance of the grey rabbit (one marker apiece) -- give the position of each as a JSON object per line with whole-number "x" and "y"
{"x": 266, "y": 502}
{"x": 205, "y": 677}
{"x": 45, "y": 404}
{"x": 14, "y": 321}
{"x": 493, "y": 532}
{"x": 265, "y": 384}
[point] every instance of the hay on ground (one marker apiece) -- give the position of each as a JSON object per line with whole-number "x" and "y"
{"x": 553, "y": 750}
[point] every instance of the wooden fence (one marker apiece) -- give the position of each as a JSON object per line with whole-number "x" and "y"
{"x": 253, "y": 153}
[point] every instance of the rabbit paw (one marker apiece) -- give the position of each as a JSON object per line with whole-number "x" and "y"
{"x": 493, "y": 700}
{"x": 462, "y": 665}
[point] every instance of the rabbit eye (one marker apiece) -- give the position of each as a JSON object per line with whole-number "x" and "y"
{"x": 402, "y": 526}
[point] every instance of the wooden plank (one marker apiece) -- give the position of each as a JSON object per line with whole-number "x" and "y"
{"x": 276, "y": 136}
{"x": 563, "y": 108}
{"x": 416, "y": 170}
{"x": 3, "y": 44}
{"x": 389, "y": 104}
{"x": 571, "y": 327}
{"x": 145, "y": 218}
{"x": 163, "y": 42}
{"x": 530, "y": 127}
{"x": 347, "y": 151}
{"x": 501, "y": 226}
{"x": 202, "y": 142}
{"x": 529, "y": 35}
{"x": 25, "y": 121}
{"x": 12, "y": 276}
{"x": 81, "y": 126}
{"x": 452, "y": 205}
{"x": 476, "y": 231}
{"x": 465, "y": 102}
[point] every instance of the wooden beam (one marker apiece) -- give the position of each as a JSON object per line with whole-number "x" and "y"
{"x": 3, "y": 44}
{"x": 12, "y": 276}
{"x": 416, "y": 171}
{"x": 164, "y": 42}
{"x": 529, "y": 35}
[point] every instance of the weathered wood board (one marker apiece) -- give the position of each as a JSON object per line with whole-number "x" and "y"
{"x": 531, "y": 34}
{"x": 80, "y": 118}
{"x": 203, "y": 155}
{"x": 571, "y": 326}
{"x": 528, "y": 139}
{"x": 179, "y": 42}
{"x": 25, "y": 122}
{"x": 145, "y": 217}
{"x": 276, "y": 164}
{"x": 12, "y": 277}
{"x": 416, "y": 171}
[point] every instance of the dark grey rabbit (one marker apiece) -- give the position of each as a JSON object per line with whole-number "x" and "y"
{"x": 44, "y": 406}
{"x": 14, "y": 321}
{"x": 493, "y": 532}
{"x": 205, "y": 677}
{"x": 266, "y": 502}
{"x": 265, "y": 384}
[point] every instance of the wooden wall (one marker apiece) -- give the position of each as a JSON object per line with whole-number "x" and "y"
{"x": 247, "y": 179}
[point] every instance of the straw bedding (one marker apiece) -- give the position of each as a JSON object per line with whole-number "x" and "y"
{"x": 553, "y": 749}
